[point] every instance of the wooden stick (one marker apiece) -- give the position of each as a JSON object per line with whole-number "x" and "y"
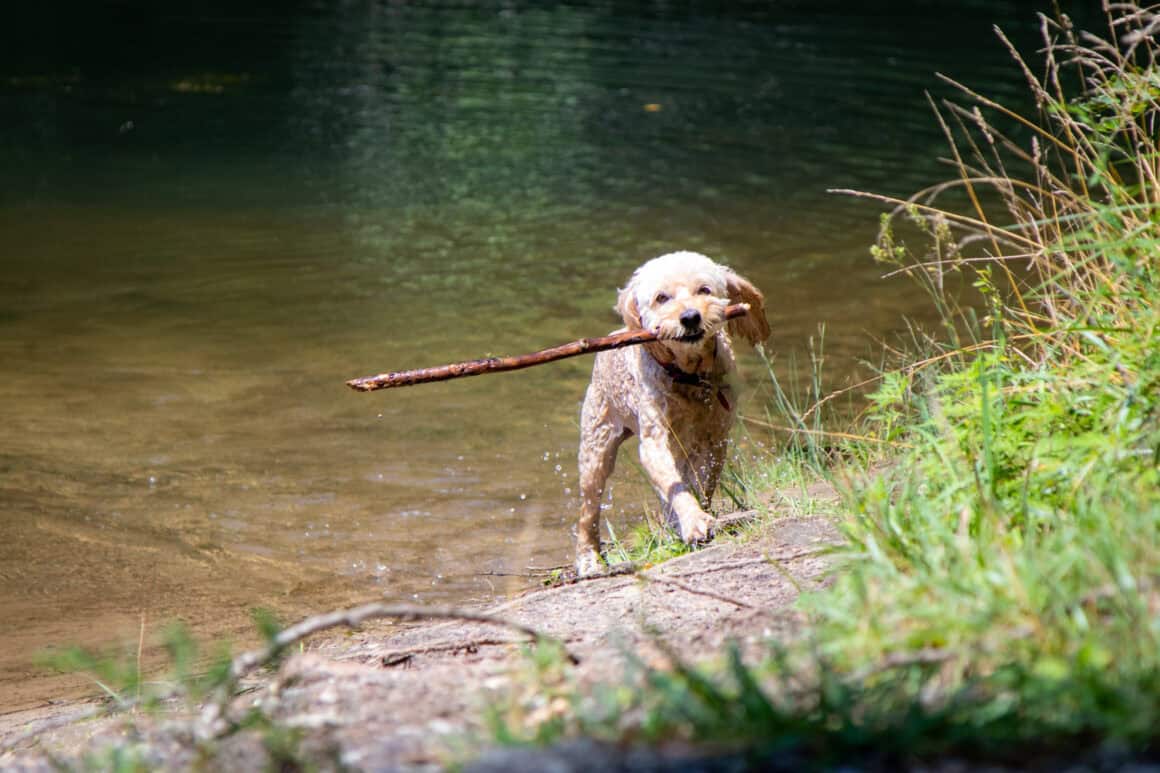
{"x": 500, "y": 364}
{"x": 356, "y": 616}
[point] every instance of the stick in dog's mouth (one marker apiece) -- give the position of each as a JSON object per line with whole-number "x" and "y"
{"x": 500, "y": 364}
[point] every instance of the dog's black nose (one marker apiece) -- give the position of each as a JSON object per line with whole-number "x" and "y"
{"x": 691, "y": 318}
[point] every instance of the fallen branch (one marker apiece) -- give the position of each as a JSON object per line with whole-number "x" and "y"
{"x": 214, "y": 722}
{"x": 726, "y": 523}
{"x": 356, "y": 616}
{"x": 500, "y": 364}
{"x": 620, "y": 569}
{"x": 648, "y": 578}
{"x": 395, "y": 657}
{"x": 770, "y": 560}
{"x": 629, "y": 568}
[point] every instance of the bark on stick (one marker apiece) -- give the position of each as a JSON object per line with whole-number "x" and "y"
{"x": 500, "y": 364}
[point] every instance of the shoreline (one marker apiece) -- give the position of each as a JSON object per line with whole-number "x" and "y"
{"x": 344, "y": 695}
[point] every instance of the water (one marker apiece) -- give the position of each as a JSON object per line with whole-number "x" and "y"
{"x": 208, "y": 223}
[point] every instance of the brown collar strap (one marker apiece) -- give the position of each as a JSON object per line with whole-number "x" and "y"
{"x": 696, "y": 379}
{"x": 684, "y": 377}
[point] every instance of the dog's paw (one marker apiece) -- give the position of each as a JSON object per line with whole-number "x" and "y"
{"x": 589, "y": 564}
{"x": 698, "y": 528}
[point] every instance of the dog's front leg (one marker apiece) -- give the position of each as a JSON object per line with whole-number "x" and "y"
{"x": 600, "y": 438}
{"x": 656, "y": 456}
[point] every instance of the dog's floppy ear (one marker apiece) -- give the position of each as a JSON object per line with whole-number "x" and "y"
{"x": 627, "y": 309}
{"x": 753, "y": 327}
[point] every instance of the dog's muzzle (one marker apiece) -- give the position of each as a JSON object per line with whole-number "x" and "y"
{"x": 691, "y": 324}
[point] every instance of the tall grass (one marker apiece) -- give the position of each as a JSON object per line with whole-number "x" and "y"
{"x": 1001, "y": 590}
{"x": 1012, "y": 553}
{"x": 1022, "y": 522}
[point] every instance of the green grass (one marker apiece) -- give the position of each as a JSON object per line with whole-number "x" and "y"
{"x": 1017, "y": 524}
{"x": 1000, "y": 592}
{"x": 646, "y": 544}
{"x": 198, "y": 676}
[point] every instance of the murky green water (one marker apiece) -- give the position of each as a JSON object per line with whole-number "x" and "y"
{"x": 209, "y": 223}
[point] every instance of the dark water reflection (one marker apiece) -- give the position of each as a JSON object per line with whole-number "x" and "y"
{"x": 209, "y": 222}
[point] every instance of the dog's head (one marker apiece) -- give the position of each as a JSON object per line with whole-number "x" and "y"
{"x": 682, "y": 297}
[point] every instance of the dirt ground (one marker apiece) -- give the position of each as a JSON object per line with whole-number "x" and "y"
{"x": 393, "y": 696}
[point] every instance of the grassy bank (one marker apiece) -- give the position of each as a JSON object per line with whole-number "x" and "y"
{"x": 999, "y": 595}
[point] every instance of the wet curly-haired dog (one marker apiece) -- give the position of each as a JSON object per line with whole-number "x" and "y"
{"x": 674, "y": 394}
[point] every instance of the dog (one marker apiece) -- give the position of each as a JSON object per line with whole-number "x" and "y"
{"x": 674, "y": 394}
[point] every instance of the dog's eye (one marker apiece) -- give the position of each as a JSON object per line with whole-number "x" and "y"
{"x": 661, "y": 299}
{"x": 705, "y": 290}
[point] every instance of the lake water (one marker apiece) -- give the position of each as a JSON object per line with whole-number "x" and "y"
{"x": 208, "y": 223}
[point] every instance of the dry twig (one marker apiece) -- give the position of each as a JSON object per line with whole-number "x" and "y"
{"x": 356, "y": 616}
{"x": 648, "y": 578}
{"x": 767, "y": 559}
{"x": 214, "y": 721}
